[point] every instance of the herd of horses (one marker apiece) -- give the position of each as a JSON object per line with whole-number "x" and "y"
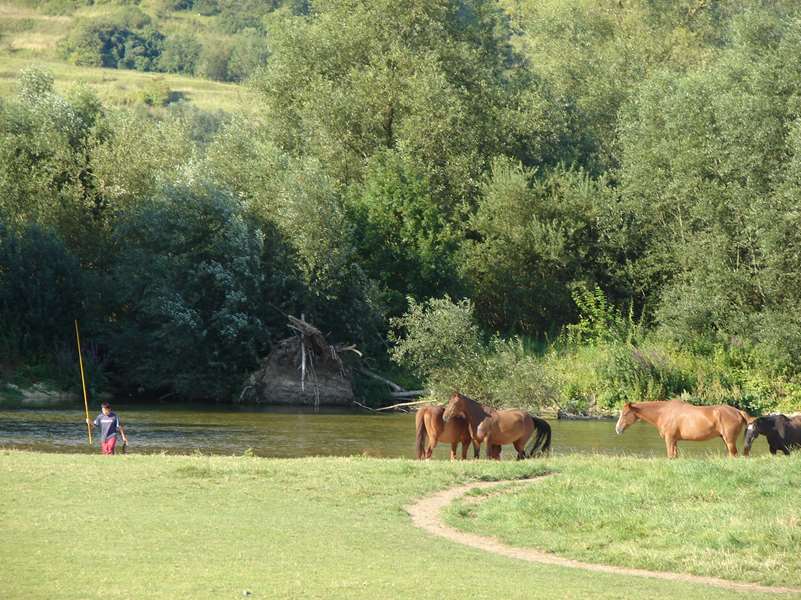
{"x": 465, "y": 421}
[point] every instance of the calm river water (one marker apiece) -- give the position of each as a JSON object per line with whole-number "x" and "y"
{"x": 293, "y": 433}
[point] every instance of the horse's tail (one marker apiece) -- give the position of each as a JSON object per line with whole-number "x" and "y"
{"x": 542, "y": 441}
{"x": 422, "y": 434}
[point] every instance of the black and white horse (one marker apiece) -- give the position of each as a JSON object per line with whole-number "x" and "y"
{"x": 782, "y": 432}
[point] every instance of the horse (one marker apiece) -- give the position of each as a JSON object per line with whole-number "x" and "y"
{"x": 431, "y": 429}
{"x": 470, "y": 410}
{"x": 782, "y": 432}
{"x": 676, "y": 420}
{"x": 514, "y": 427}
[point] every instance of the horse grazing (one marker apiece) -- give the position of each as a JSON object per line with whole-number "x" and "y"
{"x": 676, "y": 420}
{"x": 783, "y": 433}
{"x": 514, "y": 427}
{"x": 431, "y": 429}
{"x": 460, "y": 406}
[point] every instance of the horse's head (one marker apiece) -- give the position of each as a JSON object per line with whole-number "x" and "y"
{"x": 627, "y": 416}
{"x": 455, "y": 407}
{"x": 763, "y": 425}
{"x": 751, "y": 433}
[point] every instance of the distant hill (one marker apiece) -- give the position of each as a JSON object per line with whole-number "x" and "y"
{"x": 128, "y": 52}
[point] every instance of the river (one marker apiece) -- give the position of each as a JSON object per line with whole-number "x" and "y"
{"x": 277, "y": 432}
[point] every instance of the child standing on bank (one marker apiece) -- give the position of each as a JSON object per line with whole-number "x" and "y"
{"x": 109, "y": 424}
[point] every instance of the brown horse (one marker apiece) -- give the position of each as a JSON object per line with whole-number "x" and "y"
{"x": 514, "y": 427}
{"x": 676, "y": 420}
{"x": 460, "y": 406}
{"x": 431, "y": 429}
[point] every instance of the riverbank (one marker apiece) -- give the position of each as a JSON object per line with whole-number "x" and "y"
{"x": 232, "y": 527}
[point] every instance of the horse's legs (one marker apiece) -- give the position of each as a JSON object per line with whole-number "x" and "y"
{"x": 432, "y": 443}
{"x": 731, "y": 446}
{"x": 521, "y": 450}
{"x": 670, "y": 445}
{"x": 453, "y": 450}
{"x": 476, "y": 449}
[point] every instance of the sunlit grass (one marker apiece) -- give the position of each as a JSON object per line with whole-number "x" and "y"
{"x": 123, "y": 87}
{"x": 135, "y": 526}
{"x": 733, "y": 518}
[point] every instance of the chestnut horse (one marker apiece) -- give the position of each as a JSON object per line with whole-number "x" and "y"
{"x": 514, "y": 427}
{"x": 460, "y": 406}
{"x": 676, "y": 420}
{"x": 431, "y": 429}
{"x": 511, "y": 427}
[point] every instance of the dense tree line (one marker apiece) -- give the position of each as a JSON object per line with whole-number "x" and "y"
{"x": 632, "y": 164}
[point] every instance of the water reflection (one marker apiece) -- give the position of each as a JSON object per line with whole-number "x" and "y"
{"x": 281, "y": 432}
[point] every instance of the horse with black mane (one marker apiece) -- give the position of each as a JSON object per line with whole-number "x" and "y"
{"x": 782, "y": 432}
{"x": 498, "y": 427}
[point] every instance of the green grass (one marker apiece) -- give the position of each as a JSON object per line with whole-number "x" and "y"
{"x": 30, "y": 37}
{"x": 135, "y": 526}
{"x": 123, "y": 87}
{"x": 735, "y": 519}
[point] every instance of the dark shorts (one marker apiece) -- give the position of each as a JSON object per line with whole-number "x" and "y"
{"x": 109, "y": 444}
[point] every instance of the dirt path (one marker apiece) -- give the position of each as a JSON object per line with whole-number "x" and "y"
{"x": 425, "y": 514}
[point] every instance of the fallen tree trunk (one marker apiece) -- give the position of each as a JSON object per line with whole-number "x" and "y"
{"x": 282, "y": 376}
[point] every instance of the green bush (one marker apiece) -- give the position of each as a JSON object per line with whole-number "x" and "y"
{"x": 155, "y": 93}
{"x": 189, "y": 292}
{"x": 123, "y": 40}
{"x": 41, "y": 292}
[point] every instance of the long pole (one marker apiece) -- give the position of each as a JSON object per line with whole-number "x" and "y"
{"x": 83, "y": 383}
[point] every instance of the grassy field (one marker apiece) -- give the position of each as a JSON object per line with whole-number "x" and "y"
{"x": 231, "y": 527}
{"x": 124, "y": 87}
{"x": 30, "y": 37}
{"x": 735, "y": 519}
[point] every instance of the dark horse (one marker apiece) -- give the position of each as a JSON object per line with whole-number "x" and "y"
{"x": 676, "y": 420}
{"x": 498, "y": 427}
{"x": 431, "y": 429}
{"x": 782, "y": 432}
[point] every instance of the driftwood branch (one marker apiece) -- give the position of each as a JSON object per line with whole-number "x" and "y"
{"x": 409, "y": 394}
{"x": 392, "y": 385}
{"x": 415, "y": 403}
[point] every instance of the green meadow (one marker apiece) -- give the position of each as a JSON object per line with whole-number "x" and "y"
{"x": 138, "y": 526}
{"x": 121, "y": 87}
{"x": 735, "y": 519}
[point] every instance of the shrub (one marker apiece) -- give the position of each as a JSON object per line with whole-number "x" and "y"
{"x": 40, "y": 291}
{"x": 155, "y": 93}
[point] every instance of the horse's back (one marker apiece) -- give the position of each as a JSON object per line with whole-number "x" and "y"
{"x": 511, "y": 425}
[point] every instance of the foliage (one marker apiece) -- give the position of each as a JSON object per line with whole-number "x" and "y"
{"x": 436, "y": 334}
{"x": 180, "y": 54}
{"x": 125, "y": 39}
{"x": 188, "y": 287}
{"x": 41, "y": 292}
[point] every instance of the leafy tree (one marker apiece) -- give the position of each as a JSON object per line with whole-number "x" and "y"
{"x": 41, "y": 291}
{"x": 44, "y": 140}
{"x": 126, "y": 39}
{"x": 188, "y": 282}
{"x": 401, "y": 235}
{"x": 534, "y": 239}
{"x": 425, "y": 79}
{"x": 180, "y": 54}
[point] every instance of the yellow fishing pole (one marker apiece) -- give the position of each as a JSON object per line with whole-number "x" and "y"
{"x": 83, "y": 383}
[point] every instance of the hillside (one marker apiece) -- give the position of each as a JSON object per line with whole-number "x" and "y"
{"x": 198, "y": 58}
